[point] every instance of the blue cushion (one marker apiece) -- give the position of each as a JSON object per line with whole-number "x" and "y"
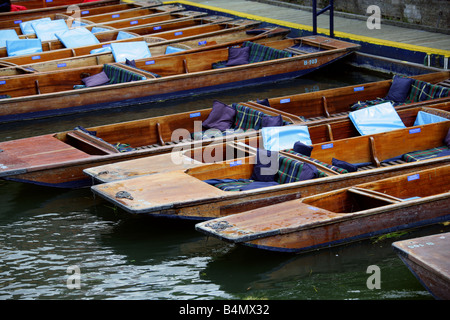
{"x": 46, "y": 30}
{"x": 124, "y": 35}
{"x": 26, "y": 26}
{"x": 105, "y": 48}
{"x": 266, "y": 166}
{"x": 427, "y": 118}
{"x": 258, "y": 184}
{"x": 264, "y": 102}
{"x": 130, "y": 50}
{"x": 399, "y": 89}
{"x": 283, "y": 138}
{"x": 379, "y": 118}
{"x": 272, "y": 121}
{"x": 7, "y": 34}
{"x": 171, "y": 49}
{"x": 221, "y": 117}
{"x": 302, "y": 148}
{"x": 96, "y": 80}
{"x": 23, "y": 46}
{"x": 344, "y": 165}
{"x": 77, "y": 37}
{"x": 99, "y": 29}
{"x": 238, "y": 56}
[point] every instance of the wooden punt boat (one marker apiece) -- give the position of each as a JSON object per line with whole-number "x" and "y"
{"x": 68, "y": 153}
{"x": 338, "y": 217}
{"x": 96, "y": 7}
{"x": 191, "y": 194}
{"x": 151, "y": 14}
{"x": 157, "y": 48}
{"x": 196, "y": 153}
{"x": 40, "y": 4}
{"x": 53, "y": 93}
{"x": 428, "y": 258}
{"x": 189, "y": 26}
{"x": 198, "y": 33}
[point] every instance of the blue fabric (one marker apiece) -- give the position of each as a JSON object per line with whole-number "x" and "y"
{"x": 130, "y": 50}
{"x": 238, "y": 56}
{"x": 399, "y": 89}
{"x": 264, "y": 102}
{"x": 379, "y": 118}
{"x": 344, "y": 165}
{"x": 7, "y": 34}
{"x": 124, "y": 35}
{"x": 221, "y": 117}
{"x": 78, "y": 37}
{"x": 272, "y": 121}
{"x": 23, "y": 46}
{"x": 101, "y": 50}
{"x": 266, "y": 166}
{"x": 258, "y": 184}
{"x": 27, "y": 28}
{"x": 302, "y": 148}
{"x": 47, "y": 30}
{"x": 427, "y": 118}
{"x": 282, "y": 138}
{"x": 171, "y": 49}
{"x": 99, "y": 29}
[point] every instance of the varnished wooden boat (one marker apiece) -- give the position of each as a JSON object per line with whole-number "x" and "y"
{"x": 428, "y": 258}
{"x": 115, "y": 20}
{"x": 182, "y": 75}
{"x": 158, "y": 47}
{"x": 68, "y": 153}
{"x": 40, "y": 4}
{"x": 169, "y": 30}
{"x": 185, "y": 194}
{"x": 338, "y": 217}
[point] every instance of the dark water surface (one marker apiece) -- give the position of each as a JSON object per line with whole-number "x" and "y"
{"x": 46, "y": 233}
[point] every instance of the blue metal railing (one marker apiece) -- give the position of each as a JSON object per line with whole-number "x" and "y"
{"x": 316, "y": 14}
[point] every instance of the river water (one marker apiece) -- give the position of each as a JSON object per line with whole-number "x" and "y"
{"x": 47, "y": 236}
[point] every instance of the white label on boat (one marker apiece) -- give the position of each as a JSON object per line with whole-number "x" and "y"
{"x": 415, "y": 130}
{"x": 414, "y": 177}
{"x": 179, "y": 33}
{"x": 309, "y": 62}
{"x": 2, "y": 82}
{"x": 115, "y": 16}
{"x": 358, "y": 89}
{"x": 134, "y": 22}
{"x": 194, "y": 115}
{"x": 236, "y": 163}
{"x": 35, "y": 58}
{"x": 202, "y": 43}
{"x": 17, "y": 21}
{"x": 61, "y": 65}
{"x": 327, "y": 146}
{"x": 287, "y": 100}
{"x": 157, "y": 28}
{"x": 150, "y": 62}
{"x": 85, "y": 12}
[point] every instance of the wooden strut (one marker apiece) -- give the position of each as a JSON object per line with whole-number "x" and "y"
{"x": 325, "y": 106}
{"x": 36, "y": 85}
{"x": 158, "y": 134}
{"x": 373, "y": 152}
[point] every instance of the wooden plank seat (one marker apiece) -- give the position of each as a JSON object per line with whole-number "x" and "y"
{"x": 90, "y": 143}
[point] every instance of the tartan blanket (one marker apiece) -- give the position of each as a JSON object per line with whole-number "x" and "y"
{"x": 421, "y": 91}
{"x": 424, "y": 154}
{"x": 247, "y": 118}
{"x": 119, "y": 75}
{"x": 292, "y": 170}
{"x": 259, "y": 52}
{"x": 329, "y": 166}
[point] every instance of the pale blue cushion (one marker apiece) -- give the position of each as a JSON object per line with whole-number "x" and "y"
{"x": 426, "y": 118}
{"x": 106, "y": 48}
{"x": 77, "y": 37}
{"x": 99, "y": 29}
{"x": 171, "y": 49}
{"x": 283, "y": 138}
{"x": 124, "y": 35}
{"x": 130, "y": 50}
{"x": 379, "y": 118}
{"x": 26, "y": 26}
{"x": 23, "y": 46}
{"x": 7, "y": 34}
{"x": 46, "y": 30}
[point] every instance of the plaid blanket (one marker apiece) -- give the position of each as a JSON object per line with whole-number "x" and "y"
{"x": 421, "y": 91}
{"x": 259, "y": 52}
{"x": 290, "y": 170}
{"x": 247, "y": 118}
{"x": 119, "y": 75}
{"x": 424, "y": 154}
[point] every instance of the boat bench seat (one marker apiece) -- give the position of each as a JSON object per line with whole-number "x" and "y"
{"x": 114, "y": 74}
{"x": 426, "y": 154}
{"x": 258, "y": 53}
{"x": 329, "y": 166}
{"x": 289, "y": 170}
{"x": 420, "y": 91}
